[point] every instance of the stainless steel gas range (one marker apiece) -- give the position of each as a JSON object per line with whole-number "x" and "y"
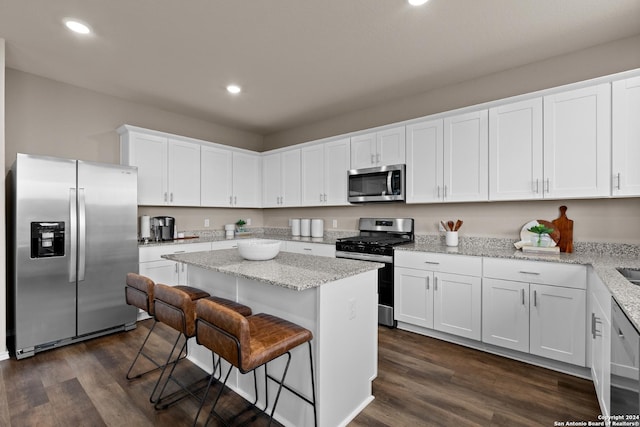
{"x": 377, "y": 238}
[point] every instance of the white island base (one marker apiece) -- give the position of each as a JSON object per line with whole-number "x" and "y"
{"x": 342, "y": 315}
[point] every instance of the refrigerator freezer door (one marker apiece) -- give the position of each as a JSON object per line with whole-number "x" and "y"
{"x": 107, "y": 242}
{"x": 44, "y": 296}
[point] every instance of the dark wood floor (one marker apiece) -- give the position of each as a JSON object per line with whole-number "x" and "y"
{"x": 421, "y": 382}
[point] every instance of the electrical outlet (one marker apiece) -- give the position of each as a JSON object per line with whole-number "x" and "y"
{"x": 335, "y": 223}
{"x": 207, "y": 223}
{"x": 351, "y": 304}
{"x": 248, "y": 221}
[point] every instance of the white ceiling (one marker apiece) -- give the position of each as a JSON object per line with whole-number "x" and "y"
{"x": 298, "y": 60}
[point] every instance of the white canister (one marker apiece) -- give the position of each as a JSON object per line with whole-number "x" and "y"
{"x": 305, "y": 227}
{"x": 317, "y": 227}
{"x": 145, "y": 227}
{"x": 295, "y": 227}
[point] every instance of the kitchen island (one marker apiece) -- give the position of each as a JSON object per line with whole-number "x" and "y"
{"x": 336, "y": 299}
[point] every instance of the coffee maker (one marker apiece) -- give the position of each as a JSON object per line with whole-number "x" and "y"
{"x": 163, "y": 228}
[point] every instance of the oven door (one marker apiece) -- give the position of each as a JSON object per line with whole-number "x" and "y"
{"x": 380, "y": 184}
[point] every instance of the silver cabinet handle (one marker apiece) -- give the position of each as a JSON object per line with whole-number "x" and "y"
{"x": 320, "y": 197}
{"x": 176, "y": 267}
{"x": 537, "y": 190}
{"x": 522, "y": 292}
{"x": 307, "y": 249}
{"x": 373, "y": 159}
{"x": 445, "y": 192}
{"x": 535, "y": 273}
{"x": 594, "y": 329}
{"x": 325, "y": 197}
{"x": 231, "y": 200}
{"x": 235, "y": 200}
{"x": 435, "y": 283}
{"x": 165, "y": 196}
{"x": 73, "y": 237}
{"x": 182, "y": 264}
{"x": 171, "y": 198}
{"x": 618, "y": 180}
{"x": 548, "y": 185}
{"x": 535, "y": 298}
{"x": 432, "y": 262}
{"x": 428, "y": 279}
{"x": 378, "y": 157}
{"x": 438, "y": 190}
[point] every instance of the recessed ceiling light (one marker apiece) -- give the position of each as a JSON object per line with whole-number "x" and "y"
{"x": 77, "y": 26}
{"x": 417, "y": 2}
{"x": 234, "y": 89}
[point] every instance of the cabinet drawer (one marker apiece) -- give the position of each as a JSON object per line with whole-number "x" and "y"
{"x": 154, "y": 253}
{"x": 546, "y": 273}
{"x": 458, "y": 264}
{"x": 317, "y": 249}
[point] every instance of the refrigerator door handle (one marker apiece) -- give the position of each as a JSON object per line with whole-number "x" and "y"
{"x": 82, "y": 234}
{"x": 73, "y": 237}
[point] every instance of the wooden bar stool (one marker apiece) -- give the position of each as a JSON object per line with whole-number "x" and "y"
{"x": 175, "y": 307}
{"x": 139, "y": 293}
{"x": 248, "y": 343}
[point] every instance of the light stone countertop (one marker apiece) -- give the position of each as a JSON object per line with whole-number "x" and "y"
{"x": 604, "y": 258}
{"x": 289, "y": 270}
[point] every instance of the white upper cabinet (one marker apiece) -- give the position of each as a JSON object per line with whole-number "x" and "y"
{"x": 166, "y": 175}
{"x": 216, "y": 178}
{"x": 515, "y": 151}
{"x": 425, "y": 153}
{"x": 230, "y": 178}
{"x": 386, "y": 147}
{"x": 281, "y": 176}
{"x": 324, "y": 173}
{"x": 626, "y": 137}
{"x": 466, "y": 151}
{"x": 447, "y": 159}
{"x": 577, "y": 138}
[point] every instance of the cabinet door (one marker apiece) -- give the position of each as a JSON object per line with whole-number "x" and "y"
{"x": 246, "y": 173}
{"x": 466, "y": 152}
{"x": 600, "y": 335}
{"x": 313, "y": 175}
{"x": 215, "y": 177}
{"x": 271, "y": 180}
{"x": 425, "y": 146}
{"x": 165, "y": 271}
{"x": 505, "y": 314}
{"x": 457, "y": 304}
{"x": 363, "y": 151}
{"x": 577, "y": 137}
{"x": 558, "y": 323}
{"x": 317, "y": 249}
{"x": 183, "y": 173}
{"x": 149, "y": 154}
{"x": 291, "y": 178}
{"x": 413, "y": 296}
{"x": 626, "y": 137}
{"x": 515, "y": 151}
{"x": 390, "y": 146}
{"x": 336, "y": 165}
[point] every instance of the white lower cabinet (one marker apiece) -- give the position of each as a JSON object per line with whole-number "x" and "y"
{"x": 442, "y": 292}
{"x": 535, "y": 307}
{"x": 599, "y": 332}
{"x": 163, "y": 271}
{"x": 317, "y": 249}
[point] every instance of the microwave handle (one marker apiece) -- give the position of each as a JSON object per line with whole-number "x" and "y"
{"x": 389, "y": 189}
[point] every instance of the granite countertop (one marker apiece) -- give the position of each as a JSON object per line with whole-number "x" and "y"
{"x": 289, "y": 270}
{"x": 604, "y": 259}
{"x": 327, "y": 239}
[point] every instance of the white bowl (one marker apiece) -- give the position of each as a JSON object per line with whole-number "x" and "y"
{"x": 258, "y": 250}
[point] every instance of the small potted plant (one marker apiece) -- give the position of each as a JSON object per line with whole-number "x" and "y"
{"x": 543, "y": 238}
{"x": 240, "y": 225}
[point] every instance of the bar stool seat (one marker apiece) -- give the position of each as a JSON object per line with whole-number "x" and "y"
{"x": 139, "y": 293}
{"x": 175, "y": 306}
{"x": 248, "y": 343}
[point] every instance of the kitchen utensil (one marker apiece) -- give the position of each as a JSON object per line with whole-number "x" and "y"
{"x": 444, "y": 226}
{"x": 458, "y": 225}
{"x": 451, "y": 238}
{"x": 564, "y": 226}
{"x": 450, "y": 224}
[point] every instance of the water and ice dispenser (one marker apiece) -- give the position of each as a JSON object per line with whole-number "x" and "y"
{"x": 47, "y": 239}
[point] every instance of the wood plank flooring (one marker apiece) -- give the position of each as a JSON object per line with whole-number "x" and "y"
{"x": 421, "y": 382}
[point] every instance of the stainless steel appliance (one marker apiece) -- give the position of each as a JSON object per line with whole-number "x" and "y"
{"x": 625, "y": 364}
{"x": 377, "y": 238}
{"x": 163, "y": 228}
{"x": 74, "y": 239}
{"x": 379, "y": 184}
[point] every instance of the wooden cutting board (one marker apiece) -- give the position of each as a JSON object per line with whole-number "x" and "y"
{"x": 565, "y": 226}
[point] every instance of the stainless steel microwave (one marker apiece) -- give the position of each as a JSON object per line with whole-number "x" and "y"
{"x": 379, "y": 184}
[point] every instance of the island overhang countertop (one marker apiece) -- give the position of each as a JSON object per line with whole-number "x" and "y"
{"x": 289, "y": 270}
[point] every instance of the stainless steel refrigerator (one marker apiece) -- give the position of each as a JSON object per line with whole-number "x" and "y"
{"x": 74, "y": 240}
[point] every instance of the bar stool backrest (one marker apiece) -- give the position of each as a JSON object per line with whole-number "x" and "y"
{"x": 225, "y": 332}
{"x": 139, "y": 292}
{"x": 175, "y": 308}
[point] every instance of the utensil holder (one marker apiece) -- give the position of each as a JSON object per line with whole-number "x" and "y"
{"x": 451, "y": 238}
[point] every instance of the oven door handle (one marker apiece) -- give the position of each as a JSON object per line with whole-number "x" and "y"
{"x": 386, "y": 259}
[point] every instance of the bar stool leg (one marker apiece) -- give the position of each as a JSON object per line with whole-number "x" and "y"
{"x": 164, "y": 368}
{"x": 140, "y": 352}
